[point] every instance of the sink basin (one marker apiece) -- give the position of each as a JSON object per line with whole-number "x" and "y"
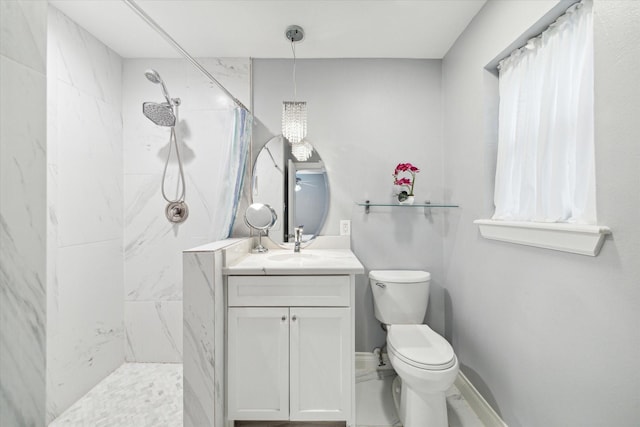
{"x": 292, "y": 257}
{"x": 286, "y": 262}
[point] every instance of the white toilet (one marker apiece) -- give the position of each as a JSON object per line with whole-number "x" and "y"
{"x": 424, "y": 361}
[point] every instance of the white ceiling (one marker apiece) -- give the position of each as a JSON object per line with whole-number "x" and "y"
{"x": 255, "y": 28}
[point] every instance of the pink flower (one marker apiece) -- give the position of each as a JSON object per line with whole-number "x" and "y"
{"x": 403, "y": 181}
{"x": 406, "y": 167}
{"x": 403, "y": 167}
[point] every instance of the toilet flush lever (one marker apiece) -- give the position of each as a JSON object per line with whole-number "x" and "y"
{"x": 382, "y": 285}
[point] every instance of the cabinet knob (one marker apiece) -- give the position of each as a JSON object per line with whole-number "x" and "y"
{"x": 284, "y": 317}
{"x": 294, "y": 318}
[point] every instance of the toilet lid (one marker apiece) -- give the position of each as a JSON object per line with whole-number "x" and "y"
{"x": 400, "y": 276}
{"x": 420, "y": 346}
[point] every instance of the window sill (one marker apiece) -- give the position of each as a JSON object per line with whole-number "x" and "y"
{"x": 574, "y": 238}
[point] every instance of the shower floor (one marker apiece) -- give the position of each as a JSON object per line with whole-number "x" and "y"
{"x": 150, "y": 395}
{"x": 134, "y": 395}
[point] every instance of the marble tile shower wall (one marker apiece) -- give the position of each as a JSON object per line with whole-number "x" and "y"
{"x": 85, "y": 332}
{"x": 23, "y": 153}
{"x": 153, "y": 246}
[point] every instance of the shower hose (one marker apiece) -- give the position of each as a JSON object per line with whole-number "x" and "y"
{"x": 173, "y": 142}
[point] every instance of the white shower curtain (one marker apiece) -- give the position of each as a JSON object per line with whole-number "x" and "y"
{"x": 236, "y": 166}
{"x": 545, "y": 169}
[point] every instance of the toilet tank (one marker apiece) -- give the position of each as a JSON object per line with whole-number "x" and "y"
{"x": 400, "y": 296}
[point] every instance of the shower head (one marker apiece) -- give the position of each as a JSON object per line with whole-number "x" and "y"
{"x": 160, "y": 114}
{"x": 154, "y": 77}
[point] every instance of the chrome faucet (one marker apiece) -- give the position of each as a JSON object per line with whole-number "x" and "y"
{"x": 297, "y": 238}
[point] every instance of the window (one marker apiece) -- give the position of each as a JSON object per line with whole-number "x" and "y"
{"x": 545, "y": 173}
{"x": 545, "y": 168}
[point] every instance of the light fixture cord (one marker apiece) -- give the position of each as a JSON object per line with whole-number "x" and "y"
{"x": 295, "y": 89}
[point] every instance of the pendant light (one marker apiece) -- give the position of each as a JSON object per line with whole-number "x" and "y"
{"x": 294, "y": 113}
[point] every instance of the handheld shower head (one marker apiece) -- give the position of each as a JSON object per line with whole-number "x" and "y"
{"x": 154, "y": 77}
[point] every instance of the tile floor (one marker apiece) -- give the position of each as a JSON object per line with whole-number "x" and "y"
{"x": 134, "y": 395}
{"x": 150, "y": 395}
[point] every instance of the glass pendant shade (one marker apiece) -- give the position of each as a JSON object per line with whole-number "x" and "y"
{"x": 294, "y": 128}
{"x": 294, "y": 121}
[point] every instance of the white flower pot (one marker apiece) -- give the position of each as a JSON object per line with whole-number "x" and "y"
{"x": 408, "y": 201}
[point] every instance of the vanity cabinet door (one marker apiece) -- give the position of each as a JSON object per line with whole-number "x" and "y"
{"x": 258, "y": 363}
{"x": 320, "y": 358}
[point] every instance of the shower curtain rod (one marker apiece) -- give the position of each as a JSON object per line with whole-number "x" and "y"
{"x": 153, "y": 24}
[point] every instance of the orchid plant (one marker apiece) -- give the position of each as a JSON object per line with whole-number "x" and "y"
{"x": 405, "y": 182}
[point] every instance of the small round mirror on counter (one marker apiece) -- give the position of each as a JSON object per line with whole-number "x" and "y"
{"x": 261, "y": 217}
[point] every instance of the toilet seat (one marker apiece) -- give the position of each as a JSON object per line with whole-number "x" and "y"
{"x": 420, "y": 347}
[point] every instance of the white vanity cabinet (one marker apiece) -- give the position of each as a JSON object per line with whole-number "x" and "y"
{"x": 258, "y": 363}
{"x": 290, "y": 352}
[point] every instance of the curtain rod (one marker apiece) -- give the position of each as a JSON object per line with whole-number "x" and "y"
{"x": 573, "y": 6}
{"x": 153, "y": 24}
{"x": 538, "y": 28}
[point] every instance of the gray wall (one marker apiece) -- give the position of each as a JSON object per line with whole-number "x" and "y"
{"x": 549, "y": 338}
{"x": 23, "y": 156}
{"x": 365, "y": 117}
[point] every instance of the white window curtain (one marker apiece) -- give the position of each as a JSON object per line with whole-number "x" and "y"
{"x": 545, "y": 170}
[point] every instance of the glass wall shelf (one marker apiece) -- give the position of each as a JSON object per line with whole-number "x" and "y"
{"x": 427, "y": 204}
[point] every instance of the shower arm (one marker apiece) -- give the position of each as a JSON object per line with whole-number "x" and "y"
{"x": 153, "y": 24}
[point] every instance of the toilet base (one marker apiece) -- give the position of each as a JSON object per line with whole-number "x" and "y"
{"x": 424, "y": 409}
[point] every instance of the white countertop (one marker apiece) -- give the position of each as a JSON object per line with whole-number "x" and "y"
{"x": 305, "y": 262}
{"x": 215, "y": 246}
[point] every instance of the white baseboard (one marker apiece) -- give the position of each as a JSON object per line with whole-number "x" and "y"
{"x": 478, "y": 404}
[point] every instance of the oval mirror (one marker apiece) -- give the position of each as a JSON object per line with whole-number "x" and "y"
{"x": 297, "y": 191}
